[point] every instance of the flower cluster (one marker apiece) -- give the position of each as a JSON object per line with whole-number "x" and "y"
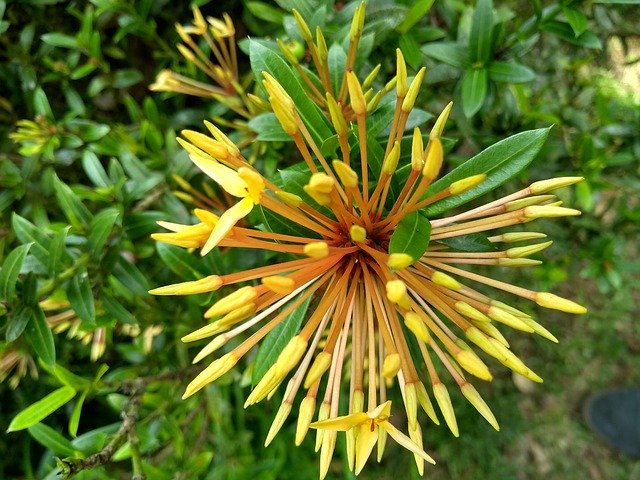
{"x": 383, "y": 297}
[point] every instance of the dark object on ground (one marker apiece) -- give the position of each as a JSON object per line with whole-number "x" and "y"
{"x": 615, "y": 416}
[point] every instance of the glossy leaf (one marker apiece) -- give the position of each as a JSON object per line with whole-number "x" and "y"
{"x": 576, "y": 19}
{"x": 481, "y": 31}
{"x": 417, "y": 10}
{"x": 268, "y": 128}
{"x": 276, "y": 340}
{"x": 563, "y": 30}
{"x": 39, "y": 335}
{"x": 10, "y": 270}
{"x": 474, "y": 242}
{"x": 28, "y": 232}
{"x": 100, "y": 229}
{"x": 184, "y": 264}
{"x": 41, "y": 409}
{"x": 80, "y": 297}
{"x": 73, "y": 208}
{"x": 264, "y": 59}
{"x": 509, "y": 72}
{"x": 74, "y": 419}
{"x": 474, "y": 90}
{"x": 450, "y": 53}
{"x": 337, "y": 59}
{"x": 411, "y": 236}
{"x": 52, "y": 439}
{"x": 500, "y": 162}
{"x": 57, "y": 251}
{"x": 17, "y": 321}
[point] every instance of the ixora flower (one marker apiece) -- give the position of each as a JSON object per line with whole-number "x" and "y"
{"x": 370, "y": 283}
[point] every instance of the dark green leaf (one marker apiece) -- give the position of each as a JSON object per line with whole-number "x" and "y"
{"x": 131, "y": 277}
{"x": 576, "y": 19}
{"x": 73, "y": 208}
{"x": 28, "y": 232}
{"x": 500, "y": 162}
{"x": 94, "y": 169}
{"x": 268, "y": 128}
{"x": 17, "y": 322}
{"x": 80, "y": 297}
{"x": 39, "y": 335}
{"x": 474, "y": 242}
{"x": 53, "y": 440}
{"x": 10, "y": 270}
{"x": 264, "y": 59}
{"x": 184, "y": 264}
{"x": 265, "y": 12}
{"x": 126, "y": 77}
{"x": 275, "y": 341}
{"x": 41, "y": 409}
{"x": 100, "y": 229}
{"x": 474, "y": 90}
{"x": 563, "y": 30}
{"x": 509, "y": 72}
{"x": 117, "y": 311}
{"x": 337, "y": 59}
{"x": 450, "y": 53}
{"x": 418, "y": 10}
{"x": 57, "y": 250}
{"x": 481, "y": 31}
{"x": 411, "y": 236}
{"x": 411, "y": 50}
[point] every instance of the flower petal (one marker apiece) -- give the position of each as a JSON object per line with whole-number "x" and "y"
{"x": 343, "y": 423}
{"x": 405, "y": 441}
{"x": 226, "y": 223}
{"x": 365, "y": 441}
{"x": 224, "y": 176}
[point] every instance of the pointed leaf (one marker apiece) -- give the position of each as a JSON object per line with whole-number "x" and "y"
{"x": 74, "y": 420}
{"x": 80, "y": 297}
{"x": 41, "y": 409}
{"x": 17, "y": 322}
{"x": 474, "y": 90}
{"x": 10, "y": 270}
{"x": 417, "y": 11}
{"x": 40, "y": 337}
{"x": 100, "y": 229}
{"x": 509, "y": 72}
{"x": 481, "y": 31}
{"x": 52, "y": 439}
{"x": 450, "y": 53}
{"x": 500, "y": 162}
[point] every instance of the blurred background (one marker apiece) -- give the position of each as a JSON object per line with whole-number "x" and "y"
{"x": 89, "y": 163}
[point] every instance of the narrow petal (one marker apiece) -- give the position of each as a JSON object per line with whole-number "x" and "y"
{"x": 224, "y": 176}
{"x": 226, "y": 223}
{"x": 366, "y": 439}
{"x": 343, "y": 423}
{"x": 405, "y": 441}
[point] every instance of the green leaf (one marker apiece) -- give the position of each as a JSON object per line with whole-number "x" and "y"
{"x": 60, "y": 40}
{"x": 337, "y": 59}
{"x": 131, "y": 277}
{"x": 474, "y": 242}
{"x": 28, "y": 232}
{"x": 41, "y": 409}
{"x": 265, "y": 12}
{"x": 268, "y": 128}
{"x": 184, "y": 264}
{"x": 418, "y": 10}
{"x": 41, "y": 104}
{"x": 74, "y": 419}
{"x": 10, "y": 270}
{"x": 39, "y": 335}
{"x": 411, "y": 50}
{"x": 563, "y": 30}
{"x": 94, "y": 169}
{"x": 411, "y": 236}
{"x": 52, "y": 439}
{"x": 80, "y": 297}
{"x": 264, "y": 59}
{"x": 57, "y": 251}
{"x": 17, "y": 322}
{"x": 450, "y": 53}
{"x": 474, "y": 90}
{"x": 481, "y": 31}
{"x": 509, "y": 72}
{"x": 100, "y": 229}
{"x": 576, "y": 19}
{"x": 276, "y": 340}
{"x": 500, "y": 162}
{"x": 73, "y": 208}
{"x": 116, "y": 310}
{"x": 66, "y": 377}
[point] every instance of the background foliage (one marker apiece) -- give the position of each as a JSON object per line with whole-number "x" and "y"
{"x": 89, "y": 163}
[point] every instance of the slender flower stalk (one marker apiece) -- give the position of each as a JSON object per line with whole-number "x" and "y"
{"x": 373, "y": 316}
